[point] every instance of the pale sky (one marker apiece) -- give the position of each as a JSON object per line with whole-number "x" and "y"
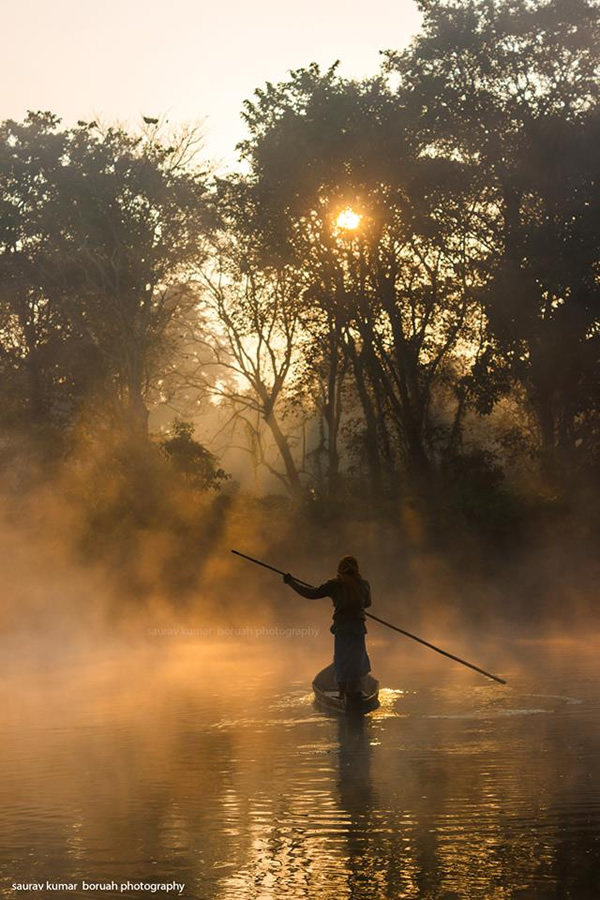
{"x": 188, "y": 61}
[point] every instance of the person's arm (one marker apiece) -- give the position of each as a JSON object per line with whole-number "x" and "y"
{"x": 311, "y": 593}
{"x": 367, "y": 595}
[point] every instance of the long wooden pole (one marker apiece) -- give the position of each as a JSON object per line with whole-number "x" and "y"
{"x": 407, "y": 634}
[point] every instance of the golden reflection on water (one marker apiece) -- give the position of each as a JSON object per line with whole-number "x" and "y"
{"x": 226, "y": 777}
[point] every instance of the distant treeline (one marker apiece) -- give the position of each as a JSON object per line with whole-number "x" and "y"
{"x": 400, "y": 295}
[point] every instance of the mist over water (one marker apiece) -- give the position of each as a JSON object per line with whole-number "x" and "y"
{"x": 152, "y": 736}
{"x": 204, "y": 762}
{"x": 379, "y": 337}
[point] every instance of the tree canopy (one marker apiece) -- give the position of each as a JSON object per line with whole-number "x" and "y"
{"x": 405, "y": 277}
{"x": 100, "y": 232}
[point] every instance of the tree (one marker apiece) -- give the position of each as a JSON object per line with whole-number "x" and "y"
{"x": 249, "y": 326}
{"x": 397, "y": 291}
{"x": 511, "y": 90}
{"x": 47, "y": 361}
{"x": 191, "y": 459}
{"x": 102, "y": 229}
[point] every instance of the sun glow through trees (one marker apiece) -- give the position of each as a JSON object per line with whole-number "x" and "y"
{"x": 348, "y": 219}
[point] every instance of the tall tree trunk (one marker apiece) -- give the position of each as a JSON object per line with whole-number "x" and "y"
{"x": 137, "y": 412}
{"x": 332, "y": 408}
{"x": 371, "y": 441}
{"x": 33, "y": 369}
{"x": 545, "y": 414}
{"x": 293, "y": 479}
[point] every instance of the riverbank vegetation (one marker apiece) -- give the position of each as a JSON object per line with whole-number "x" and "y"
{"x": 390, "y": 316}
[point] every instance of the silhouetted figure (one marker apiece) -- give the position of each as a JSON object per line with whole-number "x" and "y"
{"x": 351, "y": 595}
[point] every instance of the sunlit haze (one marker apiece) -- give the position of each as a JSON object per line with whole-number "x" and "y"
{"x": 184, "y": 61}
{"x": 348, "y": 219}
{"x": 299, "y": 443}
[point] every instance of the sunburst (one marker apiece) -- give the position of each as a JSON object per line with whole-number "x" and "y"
{"x": 348, "y": 219}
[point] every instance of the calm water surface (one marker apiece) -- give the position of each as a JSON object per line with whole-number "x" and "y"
{"x": 211, "y": 767}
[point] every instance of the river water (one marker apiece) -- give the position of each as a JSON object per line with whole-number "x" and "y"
{"x": 209, "y": 767}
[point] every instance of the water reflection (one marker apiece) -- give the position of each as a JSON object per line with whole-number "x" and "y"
{"x": 247, "y": 791}
{"x": 357, "y": 798}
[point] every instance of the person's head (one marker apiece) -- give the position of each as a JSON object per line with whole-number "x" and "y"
{"x": 348, "y": 565}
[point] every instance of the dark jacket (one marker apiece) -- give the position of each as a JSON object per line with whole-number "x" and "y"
{"x": 348, "y": 606}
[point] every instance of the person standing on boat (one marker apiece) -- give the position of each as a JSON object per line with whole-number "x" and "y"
{"x": 351, "y": 595}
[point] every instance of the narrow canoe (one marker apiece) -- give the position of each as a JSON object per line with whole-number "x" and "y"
{"x": 327, "y": 694}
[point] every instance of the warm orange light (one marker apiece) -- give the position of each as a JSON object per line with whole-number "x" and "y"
{"x": 348, "y": 219}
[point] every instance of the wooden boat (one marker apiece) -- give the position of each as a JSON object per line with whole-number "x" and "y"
{"x": 327, "y": 694}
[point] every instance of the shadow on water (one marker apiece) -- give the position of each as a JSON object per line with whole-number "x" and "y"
{"x": 385, "y": 858}
{"x": 358, "y": 799}
{"x": 470, "y": 796}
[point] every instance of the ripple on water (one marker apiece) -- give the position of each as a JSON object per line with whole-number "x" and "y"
{"x": 476, "y": 794}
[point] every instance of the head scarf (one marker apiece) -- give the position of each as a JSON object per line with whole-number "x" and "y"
{"x": 349, "y": 576}
{"x": 348, "y": 565}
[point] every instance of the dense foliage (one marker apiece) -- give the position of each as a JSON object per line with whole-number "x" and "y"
{"x": 440, "y": 339}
